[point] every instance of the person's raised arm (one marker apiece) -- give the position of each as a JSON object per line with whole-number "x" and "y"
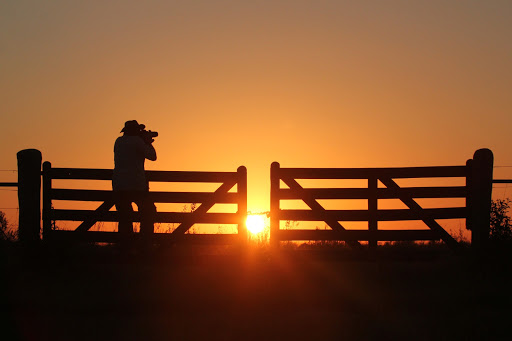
{"x": 149, "y": 152}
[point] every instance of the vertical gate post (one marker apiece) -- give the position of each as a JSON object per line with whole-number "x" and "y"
{"x": 372, "y": 210}
{"x": 242, "y": 204}
{"x": 469, "y": 197}
{"x": 47, "y": 201}
{"x": 480, "y": 197}
{"x": 29, "y": 195}
{"x": 274, "y": 204}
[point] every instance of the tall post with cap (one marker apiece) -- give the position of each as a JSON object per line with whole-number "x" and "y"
{"x": 480, "y": 197}
{"x": 29, "y": 195}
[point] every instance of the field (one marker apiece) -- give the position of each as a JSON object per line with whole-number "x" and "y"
{"x": 186, "y": 293}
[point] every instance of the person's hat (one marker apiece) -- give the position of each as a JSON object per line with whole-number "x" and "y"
{"x": 132, "y": 125}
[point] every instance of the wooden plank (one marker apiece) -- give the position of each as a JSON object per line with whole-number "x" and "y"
{"x": 203, "y": 239}
{"x": 162, "y": 197}
{"x": 358, "y": 235}
{"x": 325, "y": 215}
{"x": 423, "y": 192}
{"x": 191, "y": 218}
{"x": 160, "y": 176}
{"x": 81, "y": 173}
{"x": 159, "y": 238}
{"x": 382, "y": 215}
{"x": 382, "y": 193}
{"x": 187, "y": 176}
{"x": 428, "y": 220}
{"x": 424, "y": 213}
{"x": 501, "y": 181}
{"x": 8, "y": 184}
{"x": 196, "y": 197}
{"x": 365, "y": 173}
{"x": 322, "y": 193}
{"x": 160, "y": 217}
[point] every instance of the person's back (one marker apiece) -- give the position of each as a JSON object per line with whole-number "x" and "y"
{"x": 130, "y": 153}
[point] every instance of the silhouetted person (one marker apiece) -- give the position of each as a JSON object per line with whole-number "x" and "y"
{"x": 129, "y": 181}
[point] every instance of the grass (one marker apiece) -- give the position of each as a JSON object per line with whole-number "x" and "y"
{"x": 199, "y": 293}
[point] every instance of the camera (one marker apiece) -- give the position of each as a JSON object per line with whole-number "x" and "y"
{"x": 147, "y": 135}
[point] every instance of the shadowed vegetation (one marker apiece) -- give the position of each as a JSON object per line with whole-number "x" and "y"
{"x": 501, "y": 224}
{"x": 90, "y": 292}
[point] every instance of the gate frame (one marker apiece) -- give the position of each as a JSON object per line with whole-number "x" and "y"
{"x": 477, "y": 192}
{"x": 186, "y": 220}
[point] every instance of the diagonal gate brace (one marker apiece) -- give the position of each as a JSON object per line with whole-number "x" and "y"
{"x": 315, "y": 206}
{"x": 87, "y": 224}
{"x": 202, "y": 209}
{"x": 418, "y": 210}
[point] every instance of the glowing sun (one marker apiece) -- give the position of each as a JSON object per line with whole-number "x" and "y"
{"x": 255, "y": 223}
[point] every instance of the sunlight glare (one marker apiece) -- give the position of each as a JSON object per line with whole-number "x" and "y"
{"x": 255, "y": 223}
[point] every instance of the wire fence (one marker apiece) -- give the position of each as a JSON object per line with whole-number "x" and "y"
{"x": 501, "y": 186}
{"x": 10, "y": 187}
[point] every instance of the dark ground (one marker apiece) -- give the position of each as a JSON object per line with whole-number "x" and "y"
{"x": 92, "y": 293}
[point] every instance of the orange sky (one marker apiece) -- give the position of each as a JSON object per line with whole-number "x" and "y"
{"x": 319, "y": 83}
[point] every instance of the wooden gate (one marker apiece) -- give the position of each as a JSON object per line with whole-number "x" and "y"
{"x": 476, "y": 191}
{"x": 206, "y": 200}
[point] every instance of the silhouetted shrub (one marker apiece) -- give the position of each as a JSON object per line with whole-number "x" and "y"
{"x": 501, "y": 224}
{"x": 5, "y": 234}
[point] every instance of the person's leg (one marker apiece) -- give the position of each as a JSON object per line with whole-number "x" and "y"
{"x": 147, "y": 211}
{"x": 123, "y": 202}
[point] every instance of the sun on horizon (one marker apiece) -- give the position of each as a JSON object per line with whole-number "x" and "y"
{"x": 255, "y": 223}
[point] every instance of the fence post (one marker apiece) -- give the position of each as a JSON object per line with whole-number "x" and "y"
{"x": 29, "y": 195}
{"x": 47, "y": 202}
{"x": 372, "y": 210}
{"x": 480, "y": 197}
{"x": 469, "y": 198}
{"x": 274, "y": 204}
{"x": 242, "y": 204}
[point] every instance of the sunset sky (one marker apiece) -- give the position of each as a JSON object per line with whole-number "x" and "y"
{"x": 320, "y": 83}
